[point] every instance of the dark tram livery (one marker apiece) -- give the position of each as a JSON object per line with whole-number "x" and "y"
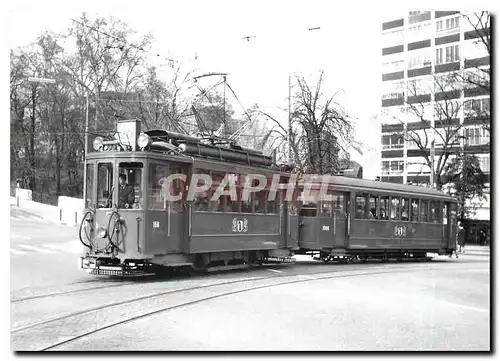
{"x": 173, "y": 222}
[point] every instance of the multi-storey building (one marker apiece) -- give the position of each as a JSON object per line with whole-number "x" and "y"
{"x": 428, "y": 108}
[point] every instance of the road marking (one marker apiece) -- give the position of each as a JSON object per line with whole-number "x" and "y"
{"x": 274, "y": 270}
{"x": 308, "y": 277}
{"x": 18, "y": 236}
{"x": 70, "y": 247}
{"x": 24, "y": 218}
{"x": 15, "y": 251}
{"x": 35, "y": 249}
{"x": 465, "y": 307}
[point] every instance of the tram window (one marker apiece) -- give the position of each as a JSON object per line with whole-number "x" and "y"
{"x": 445, "y": 213}
{"x": 394, "y": 208}
{"x": 360, "y": 203}
{"x": 201, "y": 199}
{"x": 453, "y": 213}
{"x": 159, "y": 189}
{"x": 423, "y": 211}
{"x": 326, "y": 209}
{"x": 414, "y": 210}
{"x": 433, "y": 212}
{"x": 133, "y": 178}
{"x": 272, "y": 204}
{"x": 177, "y": 187}
{"x": 246, "y": 204}
{"x": 260, "y": 201}
{"x": 89, "y": 186}
{"x": 405, "y": 211}
{"x": 373, "y": 206}
{"x": 104, "y": 185}
{"x": 308, "y": 209}
{"x": 338, "y": 202}
{"x": 384, "y": 207}
{"x": 223, "y": 203}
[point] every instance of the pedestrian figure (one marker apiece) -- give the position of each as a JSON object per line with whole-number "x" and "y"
{"x": 482, "y": 237}
{"x": 461, "y": 237}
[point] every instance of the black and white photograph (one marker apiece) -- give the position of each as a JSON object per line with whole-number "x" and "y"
{"x": 249, "y": 176}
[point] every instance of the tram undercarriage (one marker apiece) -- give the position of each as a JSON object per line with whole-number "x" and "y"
{"x": 204, "y": 262}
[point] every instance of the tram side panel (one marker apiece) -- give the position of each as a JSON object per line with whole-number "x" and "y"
{"x": 165, "y": 230}
{"x": 220, "y": 232}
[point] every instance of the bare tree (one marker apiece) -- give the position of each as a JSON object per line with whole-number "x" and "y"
{"x": 321, "y": 130}
{"x": 440, "y": 125}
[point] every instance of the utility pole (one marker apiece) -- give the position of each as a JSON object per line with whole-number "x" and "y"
{"x": 290, "y": 119}
{"x": 86, "y": 149}
{"x": 224, "y": 110}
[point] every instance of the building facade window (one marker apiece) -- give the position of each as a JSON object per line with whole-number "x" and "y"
{"x": 476, "y": 136}
{"x": 419, "y": 58}
{"x": 484, "y": 163}
{"x": 419, "y": 86}
{"x": 392, "y": 167}
{"x": 393, "y": 66}
{"x": 393, "y": 90}
{"x": 392, "y": 141}
{"x": 448, "y": 54}
{"x": 419, "y": 31}
{"x": 477, "y": 107}
{"x": 393, "y": 38}
{"x": 418, "y": 16}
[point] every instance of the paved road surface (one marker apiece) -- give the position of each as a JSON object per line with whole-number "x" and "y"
{"x": 42, "y": 252}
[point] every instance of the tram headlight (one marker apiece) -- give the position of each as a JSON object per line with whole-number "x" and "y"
{"x": 101, "y": 232}
{"x": 143, "y": 140}
{"x": 98, "y": 143}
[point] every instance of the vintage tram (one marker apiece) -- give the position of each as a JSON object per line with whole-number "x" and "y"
{"x": 361, "y": 219}
{"x": 165, "y": 227}
{"x": 210, "y": 204}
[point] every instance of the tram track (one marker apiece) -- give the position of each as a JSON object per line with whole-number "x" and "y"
{"x": 90, "y": 321}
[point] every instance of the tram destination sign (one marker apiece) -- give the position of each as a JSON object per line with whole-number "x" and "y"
{"x": 42, "y": 80}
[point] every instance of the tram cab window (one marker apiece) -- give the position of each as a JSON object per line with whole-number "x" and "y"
{"x": 394, "y": 208}
{"x": 166, "y": 186}
{"x": 133, "y": 184}
{"x": 445, "y": 213}
{"x": 405, "y": 209}
{"x": 414, "y": 210}
{"x": 104, "y": 185}
{"x": 89, "y": 186}
{"x": 384, "y": 208}
{"x": 423, "y": 211}
{"x": 360, "y": 204}
{"x": 373, "y": 206}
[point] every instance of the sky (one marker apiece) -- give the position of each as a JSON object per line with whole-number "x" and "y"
{"x": 210, "y": 37}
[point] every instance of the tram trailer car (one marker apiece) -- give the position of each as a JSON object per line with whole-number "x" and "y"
{"x": 155, "y": 231}
{"x": 370, "y": 219}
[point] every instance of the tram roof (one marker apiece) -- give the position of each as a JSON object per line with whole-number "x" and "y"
{"x": 366, "y": 185}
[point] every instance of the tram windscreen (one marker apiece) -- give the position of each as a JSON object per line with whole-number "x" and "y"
{"x": 89, "y": 186}
{"x": 130, "y": 192}
{"x": 104, "y": 185}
